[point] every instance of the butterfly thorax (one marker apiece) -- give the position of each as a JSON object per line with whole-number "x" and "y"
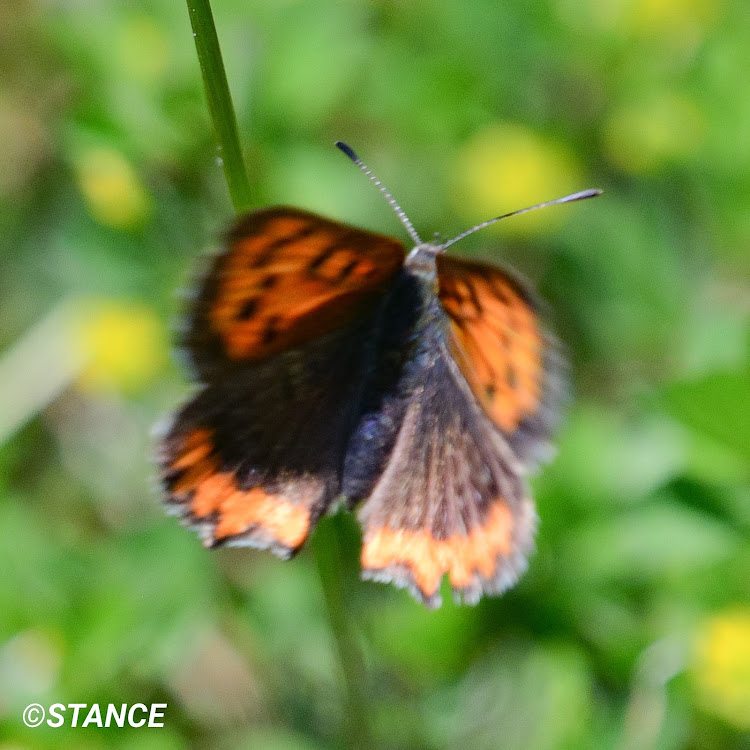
{"x": 430, "y": 321}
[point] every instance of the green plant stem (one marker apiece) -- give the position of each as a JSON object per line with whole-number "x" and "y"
{"x": 327, "y": 545}
{"x": 219, "y": 102}
{"x": 326, "y": 541}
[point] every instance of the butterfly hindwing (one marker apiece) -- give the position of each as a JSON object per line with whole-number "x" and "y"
{"x": 444, "y": 492}
{"x": 256, "y": 456}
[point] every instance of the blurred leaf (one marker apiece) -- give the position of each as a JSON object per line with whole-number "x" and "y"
{"x": 718, "y": 405}
{"x": 660, "y": 540}
{"x": 538, "y": 698}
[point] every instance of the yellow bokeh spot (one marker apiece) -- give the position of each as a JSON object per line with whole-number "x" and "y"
{"x": 682, "y": 23}
{"x": 721, "y": 666}
{"x": 121, "y": 344}
{"x": 112, "y": 189}
{"x": 684, "y": 17}
{"x": 507, "y": 167}
{"x": 143, "y": 49}
{"x": 643, "y": 138}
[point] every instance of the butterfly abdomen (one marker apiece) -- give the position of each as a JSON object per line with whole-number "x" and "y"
{"x": 383, "y": 399}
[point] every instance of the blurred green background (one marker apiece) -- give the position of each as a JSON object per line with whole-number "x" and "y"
{"x": 632, "y": 628}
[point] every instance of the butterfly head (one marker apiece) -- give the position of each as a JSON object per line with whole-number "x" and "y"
{"x": 421, "y": 260}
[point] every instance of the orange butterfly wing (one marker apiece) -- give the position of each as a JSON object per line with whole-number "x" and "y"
{"x": 290, "y": 276}
{"x": 496, "y": 339}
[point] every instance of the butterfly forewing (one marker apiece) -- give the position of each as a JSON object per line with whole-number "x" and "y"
{"x": 508, "y": 359}
{"x": 288, "y": 276}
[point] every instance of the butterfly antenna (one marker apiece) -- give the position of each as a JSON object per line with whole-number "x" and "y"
{"x": 567, "y": 199}
{"x": 403, "y": 218}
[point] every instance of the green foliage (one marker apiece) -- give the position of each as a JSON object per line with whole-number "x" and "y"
{"x": 632, "y": 627}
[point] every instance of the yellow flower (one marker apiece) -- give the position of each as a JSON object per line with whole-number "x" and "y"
{"x": 507, "y": 167}
{"x": 721, "y": 666}
{"x": 121, "y": 342}
{"x": 645, "y": 137}
{"x": 112, "y": 189}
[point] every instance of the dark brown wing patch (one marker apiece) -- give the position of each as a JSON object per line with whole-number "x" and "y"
{"x": 255, "y": 457}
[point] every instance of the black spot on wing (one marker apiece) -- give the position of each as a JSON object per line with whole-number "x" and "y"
{"x": 248, "y": 309}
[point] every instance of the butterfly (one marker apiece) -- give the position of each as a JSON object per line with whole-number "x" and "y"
{"x": 334, "y": 366}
